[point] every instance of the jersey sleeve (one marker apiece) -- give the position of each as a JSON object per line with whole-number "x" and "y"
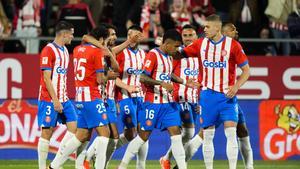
{"x": 149, "y": 63}
{"x": 47, "y": 59}
{"x": 193, "y": 50}
{"x": 239, "y": 55}
{"x": 175, "y": 63}
{"x": 120, "y": 59}
{"x": 99, "y": 59}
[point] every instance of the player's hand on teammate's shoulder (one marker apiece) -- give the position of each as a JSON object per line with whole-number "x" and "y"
{"x": 168, "y": 86}
{"x": 232, "y": 90}
{"x": 57, "y": 106}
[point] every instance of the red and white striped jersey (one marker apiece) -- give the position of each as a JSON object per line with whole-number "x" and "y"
{"x": 88, "y": 60}
{"x": 56, "y": 59}
{"x": 218, "y": 61}
{"x": 158, "y": 66}
{"x": 131, "y": 67}
{"x": 110, "y": 89}
{"x": 186, "y": 68}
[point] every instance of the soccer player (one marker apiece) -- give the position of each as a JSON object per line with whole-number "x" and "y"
{"x": 109, "y": 96}
{"x": 242, "y": 132}
{"x": 129, "y": 91}
{"x": 187, "y": 69}
{"x": 54, "y": 105}
{"x": 89, "y": 73}
{"x": 160, "y": 111}
{"x": 219, "y": 56}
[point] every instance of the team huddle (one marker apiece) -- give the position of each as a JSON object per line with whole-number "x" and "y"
{"x": 185, "y": 82}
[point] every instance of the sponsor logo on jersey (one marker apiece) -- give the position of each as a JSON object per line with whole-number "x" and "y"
{"x": 133, "y": 71}
{"x": 190, "y": 72}
{"x": 61, "y": 70}
{"x": 164, "y": 77}
{"x": 217, "y": 64}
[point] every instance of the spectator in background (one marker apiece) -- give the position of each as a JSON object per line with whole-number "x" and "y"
{"x": 126, "y": 13}
{"x": 277, "y": 12}
{"x": 222, "y": 8}
{"x": 28, "y": 24}
{"x": 180, "y": 14}
{"x": 154, "y": 22}
{"x": 265, "y": 48}
{"x": 5, "y": 24}
{"x": 78, "y": 14}
{"x": 96, "y": 8}
{"x": 200, "y": 9}
{"x": 244, "y": 14}
{"x": 294, "y": 28}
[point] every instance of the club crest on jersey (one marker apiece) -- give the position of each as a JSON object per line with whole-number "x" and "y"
{"x": 190, "y": 72}
{"x": 134, "y": 71}
{"x": 164, "y": 77}
{"x": 223, "y": 53}
{"x": 61, "y": 70}
{"x": 217, "y": 64}
{"x": 45, "y": 60}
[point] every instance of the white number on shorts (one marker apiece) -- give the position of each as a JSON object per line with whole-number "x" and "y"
{"x": 48, "y": 112}
{"x": 100, "y": 108}
{"x": 149, "y": 114}
{"x": 127, "y": 110}
{"x": 184, "y": 106}
{"x": 78, "y": 67}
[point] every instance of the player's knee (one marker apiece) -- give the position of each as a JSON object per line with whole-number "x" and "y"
{"x": 242, "y": 131}
{"x": 187, "y": 134}
{"x": 174, "y": 130}
{"x": 47, "y": 133}
{"x": 130, "y": 134}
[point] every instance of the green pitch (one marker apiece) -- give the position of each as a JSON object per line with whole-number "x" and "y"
{"x": 32, "y": 164}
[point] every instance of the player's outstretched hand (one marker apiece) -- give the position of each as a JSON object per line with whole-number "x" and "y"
{"x": 133, "y": 89}
{"x": 167, "y": 86}
{"x": 190, "y": 83}
{"x": 111, "y": 75}
{"x": 57, "y": 106}
{"x": 232, "y": 90}
{"x": 136, "y": 37}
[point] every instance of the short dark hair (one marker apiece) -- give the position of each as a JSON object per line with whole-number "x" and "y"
{"x": 214, "y": 17}
{"x": 63, "y": 25}
{"x": 135, "y": 27}
{"x": 99, "y": 32}
{"x": 109, "y": 26}
{"x": 188, "y": 26}
{"x": 172, "y": 34}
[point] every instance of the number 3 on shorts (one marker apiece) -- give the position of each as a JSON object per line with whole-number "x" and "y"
{"x": 48, "y": 112}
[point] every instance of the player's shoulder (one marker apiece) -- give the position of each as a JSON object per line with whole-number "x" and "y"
{"x": 48, "y": 49}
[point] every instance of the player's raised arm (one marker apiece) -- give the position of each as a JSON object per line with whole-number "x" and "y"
{"x": 134, "y": 38}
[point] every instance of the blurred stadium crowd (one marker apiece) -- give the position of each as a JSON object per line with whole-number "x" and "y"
{"x": 261, "y": 19}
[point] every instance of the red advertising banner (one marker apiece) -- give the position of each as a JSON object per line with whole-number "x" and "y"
{"x": 279, "y": 129}
{"x": 19, "y": 126}
{"x": 20, "y": 76}
{"x": 271, "y": 77}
